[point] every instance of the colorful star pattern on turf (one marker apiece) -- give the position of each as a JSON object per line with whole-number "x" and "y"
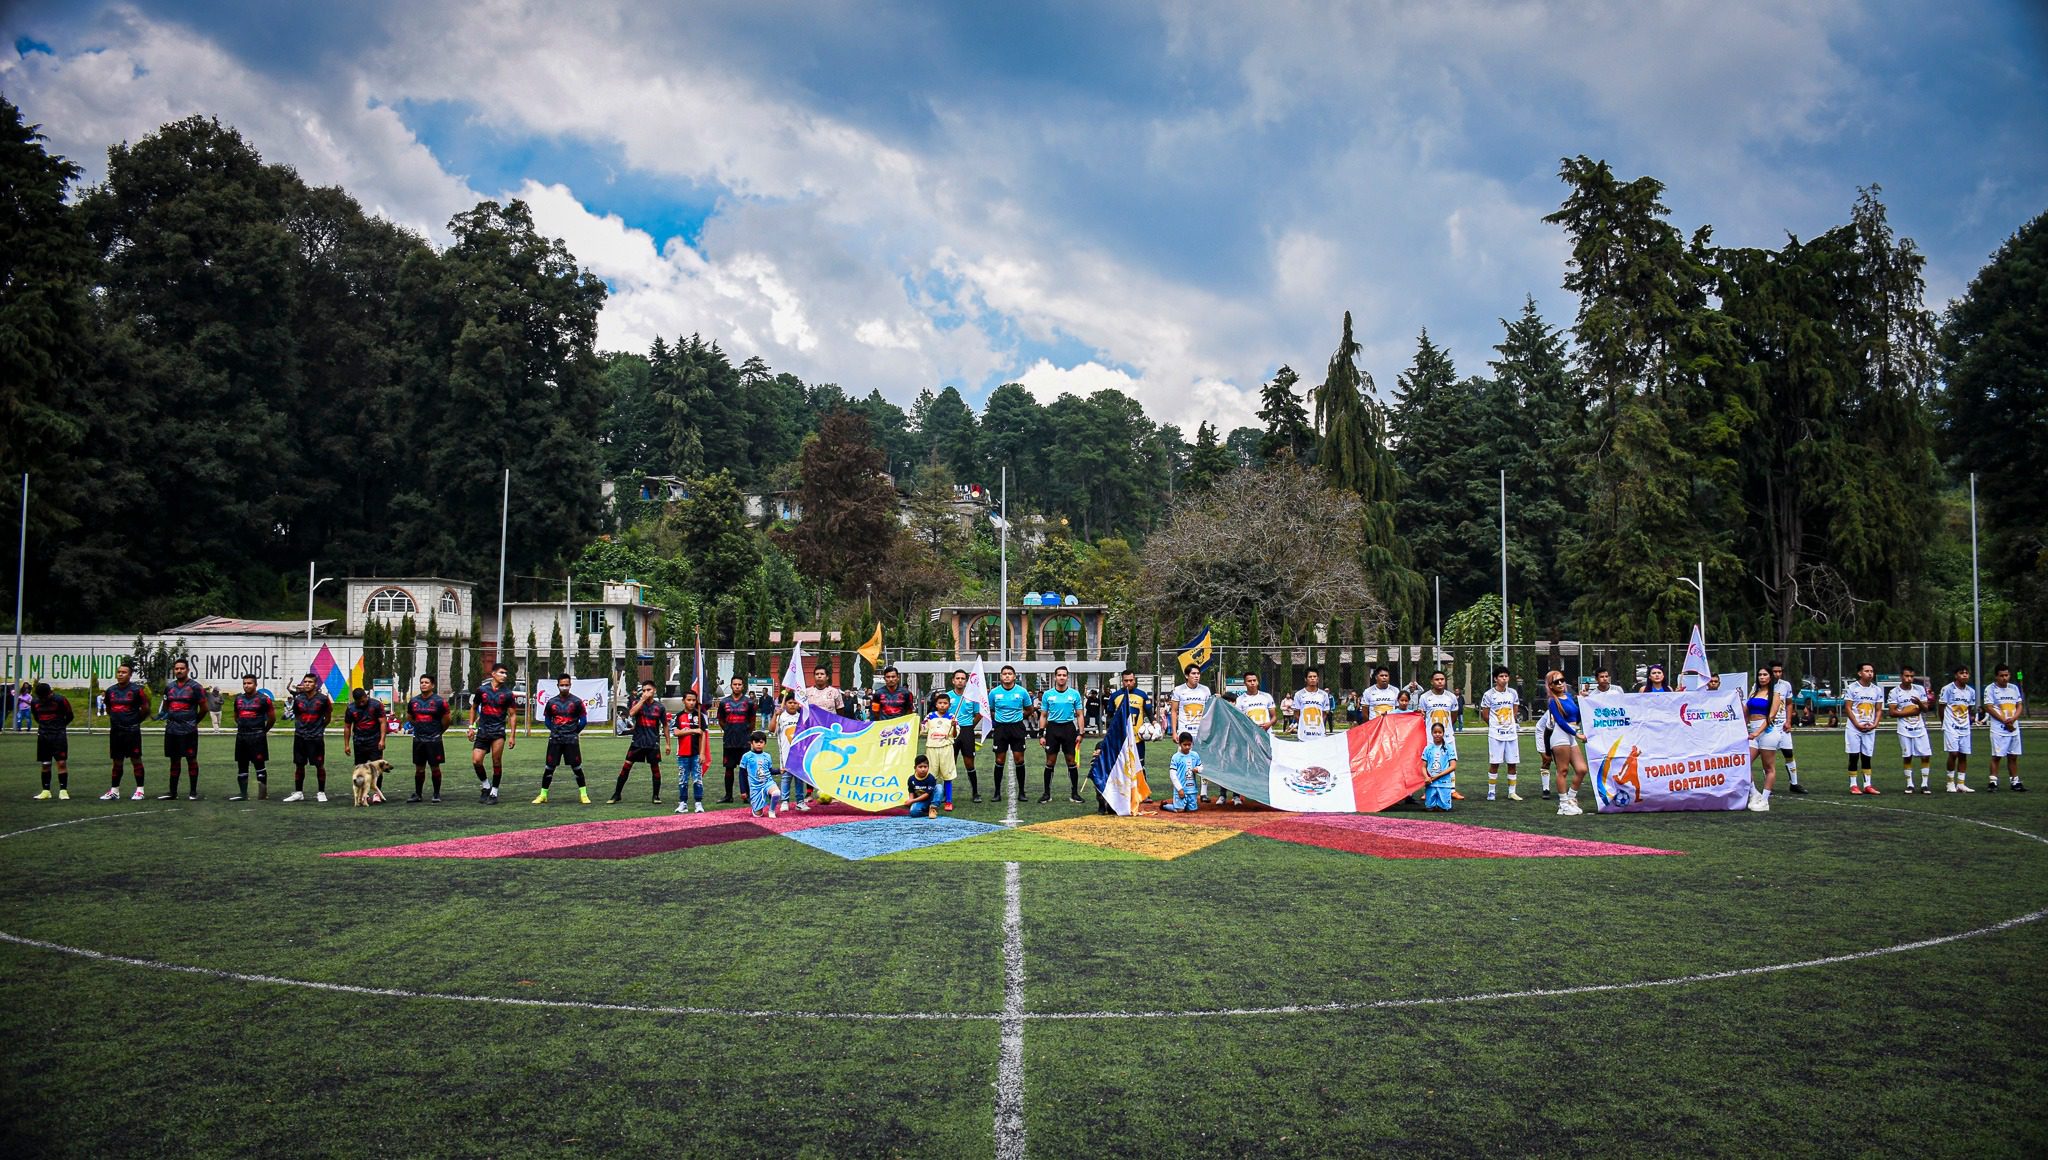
{"x": 857, "y": 836}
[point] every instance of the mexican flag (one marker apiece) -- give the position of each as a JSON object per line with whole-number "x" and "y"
{"x": 1362, "y": 770}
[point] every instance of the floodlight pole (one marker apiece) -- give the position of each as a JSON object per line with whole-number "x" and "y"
{"x": 21, "y": 576}
{"x": 1976, "y": 607}
{"x": 1003, "y": 629}
{"x": 1503, "y": 567}
{"x": 504, "y": 522}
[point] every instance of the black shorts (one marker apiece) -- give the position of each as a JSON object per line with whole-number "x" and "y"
{"x": 309, "y": 751}
{"x": 1062, "y": 737}
{"x": 252, "y": 749}
{"x": 181, "y": 745}
{"x": 367, "y": 748}
{"x": 483, "y": 740}
{"x": 964, "y": 745}
{"x": 651, "y": 756}
{"x": 732, "y": 756}
{"x": 561, "y": 751}
{"x": 52, "y": 749}
{"x": 1008, "y": 735}
{"x": 428, "y": 751}
{"x": 124, "y": 743}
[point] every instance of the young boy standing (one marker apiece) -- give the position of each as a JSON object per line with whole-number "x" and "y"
{"x": 693, "y": 741}
{"x": 940, "y": 732}
{"x": 1503, "y": 738}
{"x": 1958, "y": 705}
{"x": 792, "y": 787}
{"x": 760, "y": 771}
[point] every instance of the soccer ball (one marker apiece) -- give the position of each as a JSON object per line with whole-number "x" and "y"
{"x": 1148, "y": 732}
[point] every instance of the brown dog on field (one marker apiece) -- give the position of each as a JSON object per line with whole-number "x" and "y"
{"x": 364, "y": 780}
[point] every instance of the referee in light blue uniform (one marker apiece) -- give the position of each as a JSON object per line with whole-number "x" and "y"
{"x": 1060, "y": 707}
{"x": 1007, "y": 704}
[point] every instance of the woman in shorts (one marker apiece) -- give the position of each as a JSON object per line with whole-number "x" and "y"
{"x": 1760, "y": 713}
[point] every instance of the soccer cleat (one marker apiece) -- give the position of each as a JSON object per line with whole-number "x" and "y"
{"x": 321, "y": 796}
{"x": 682, "y": 809}
{"x": 167, "y": 797}
{"x": 2017, "y": 787}
{"x": 612, "y": 800}
{"x": 238, "y": 797}
{"x": 1964, "y": 787}
{"x": 1993, "y": 787}
{"x": 1871, "y": 790}
{"x": 976, "y": 798}
{"x": 137, "y": 796}
{"x": 1070, "y": 797}
{"x": 1513, "y": 796}
{"x": 63, "y": 795}
{"x": 494, "y": 793}
{"x": 1048, "y": 797}
{"x": 44, "y": 796}
{"x": 948, "y": 807}
{"x": 112, "y": 795}
{"x": 541, "y": 798}
{"x": 1855, "y": 789}
{"x": 1456, "y": 796}
{"x": 191, "y": 797}
{"x": 1489, "y": 795}
{"x": 297, "y": 795}
{"x": 437, "y": 799}
{"x": 1763, "y": 804}
{"x": 804, "y": 806}
{"x": 415, "y": 799}
{"x": 699, "y": 809}
{"x": 1546, "y": 795}
{"x": 1797, "y": 788}
{"x": 582, "y": 795}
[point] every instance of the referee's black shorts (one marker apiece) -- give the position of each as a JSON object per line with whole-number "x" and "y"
{"x": 1008, "y": 735}
{"x": 1062, "y": 737}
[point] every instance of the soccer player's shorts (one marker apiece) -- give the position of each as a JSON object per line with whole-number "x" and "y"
{"x": 1857, "y": 743}
{"x": 1770, "y": 739}
{"x": 309, "y": 751}
{"x": 963, "y": 745}
{"x": 181, "y": 745}
{"x": 51, "y": 749}
{"x": 945, "y": 763}
{"x": 1062, "y": 737}
{"x": 1009, "y": 735}
{"x": 1500, "y": 752}
{"x": 368, "y": 748}
{"x": 1784, "y": 735}
{"x": 2005, "y": 743}
{"x": 651, "y": 755}
{"x": 253, "y": 749}
{"x": 1189, "y": 801}
{"x": 1955, "y": 741}
{"x": 561, "y": 751}
{"x": 733, "y": 753}
{"x": 124, "y": 743}
{"x": 428, "y": 750}
{"x": 1548, "y": 743}
{"x": 485, "y": 737}
{"x": 1915, "y": 745}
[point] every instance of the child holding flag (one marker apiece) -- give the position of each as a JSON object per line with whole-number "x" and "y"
{"x": 940, "y": 732}
{"x": 760, "y": 770}
{"x": 1186, "y": 773}
{"x": 1440, "y": 761}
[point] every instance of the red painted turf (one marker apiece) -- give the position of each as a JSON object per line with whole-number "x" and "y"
{"x": 639, "y": 845}
{"x": 1355, "y": 842}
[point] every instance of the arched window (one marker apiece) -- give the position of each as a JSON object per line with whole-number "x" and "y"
{"x": 395, "y": 601}
{"x": 450, "y": 606}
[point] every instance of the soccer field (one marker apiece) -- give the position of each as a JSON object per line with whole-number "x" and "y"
{"x": 1840, "y": 975}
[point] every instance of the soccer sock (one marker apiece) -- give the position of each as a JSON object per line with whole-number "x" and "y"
{"x": 1546, "y": 781}
{"x": 1048, "y": 781}
{"x": 547, "y": 777}
{"x": 973, "y": 782}
{"x": 174, "y": 779}
{"x": 578, "y": 770}
{"x": 625, "y": 772}
{"x": 1492, "y": 780}
{"x": 262, "y": 775}
{"x": 1792, "y": 770}
{"x": 1512, "y": 775}
{"x": 1073, "y": 781}
{"x": 319, "y": 777}
{"x": 116, "y": 783}
{"x": 949, "y": 793}
{"x": 728, "y": 784}
{"x": 193, "y": 775}
{"x": 479, "y": 767}
{"x": 655, "y": 769}
{"x": 64, "y": 779}
{"x": 497, "y": 772}
{"x": 437, "y": 781}
{"x": 298, "y": 779}
{"x": 419, "y": 779}
{"x": 242, "y": 781}
{"x": 46, "y": 775}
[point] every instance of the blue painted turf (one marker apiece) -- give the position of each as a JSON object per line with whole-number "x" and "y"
{"x": 856, "y": 840}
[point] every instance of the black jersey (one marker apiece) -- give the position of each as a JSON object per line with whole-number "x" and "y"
{"x": 254, "y": 714}
{"x": 184, "y": 704}
{"x": 495, "y": 708}
{"x": 429, "y": 716}
{"x": 127, "y": 705}
{"x": 565, "y": 715}
{"x": 310, "y": 714}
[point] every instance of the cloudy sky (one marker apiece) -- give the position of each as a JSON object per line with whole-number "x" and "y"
{"x": 1173, "y": 198}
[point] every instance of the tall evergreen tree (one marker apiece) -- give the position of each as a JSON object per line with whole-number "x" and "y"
{"x": 1535, "y": 426}
{"x": 1353, "y": 452}
{"x": 1286, "y": 420}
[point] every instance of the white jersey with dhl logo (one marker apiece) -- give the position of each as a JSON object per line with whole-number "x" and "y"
{"x": 1956, "y": 704}
{"x": 1380, "y": 702}
{"x": 1312, "y": 712}
{"x": 1499, "y": 706}
{"x": 1188, "y": 706}
{"x": 1258, "y": 706}
{"x": 1860, "y": 706}
{"x": 1438, "y": 708}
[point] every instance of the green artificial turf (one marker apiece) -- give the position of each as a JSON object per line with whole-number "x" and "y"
{"x": 1939, "y": 1050}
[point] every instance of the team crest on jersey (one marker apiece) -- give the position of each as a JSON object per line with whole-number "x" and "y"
{"x": 1312, "y": 781}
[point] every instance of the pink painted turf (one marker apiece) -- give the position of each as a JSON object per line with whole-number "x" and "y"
{"x": 1486, "y": 838}
{"x": 1360, "y": 842}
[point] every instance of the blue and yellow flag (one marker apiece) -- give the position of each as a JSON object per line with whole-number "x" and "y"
{"x": 1196, "y": 651}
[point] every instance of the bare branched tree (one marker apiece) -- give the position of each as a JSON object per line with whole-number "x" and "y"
{"x": 1279, "y": 541}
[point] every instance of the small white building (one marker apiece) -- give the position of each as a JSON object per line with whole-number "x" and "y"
{"x": 390, "y": 600}
{"x": 620, "y": 608}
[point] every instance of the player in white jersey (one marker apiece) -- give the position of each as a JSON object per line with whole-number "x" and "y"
{"x": 1257, "y": 704}
{"x": 1313, "y": 707}
{"x": 2003, "y": 703}
{"x": 1440, "y": 707}
{"x": 1381, "y": 697}
{"x": 1958, "y": 705}
{"x": 1862, "y": 706}
{"x": 1782, "y": 688}
{"x": 1503, "y": 739}
{"x": 1185, "y": 707}
{"x": 1907, "y": 704}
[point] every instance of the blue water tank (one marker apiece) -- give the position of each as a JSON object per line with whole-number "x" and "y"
{"x": 1033, "y": 600}
{"x": 1071, "y": 600}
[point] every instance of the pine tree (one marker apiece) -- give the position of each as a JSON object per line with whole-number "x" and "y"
{"x": 557, "y": 663}
{"x": 433, "y": 666}
{"x": 473, "y": 675}
{"x": 406, "y": 658}
{"x": 533, "y": 676}
{"x": 1353, "y": 452}
{"x": 584, "y": 664}
{"x": 1287, "y": 427}
{"x": 1210, "y": 460}
{"x": 604, "y": 653}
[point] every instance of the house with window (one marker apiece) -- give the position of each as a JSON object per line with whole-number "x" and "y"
{"x": 389, "y": 600}
{"x": 617, "y": 608}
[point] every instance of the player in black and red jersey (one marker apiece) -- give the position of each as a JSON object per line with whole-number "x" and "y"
{"x": 362, "y": 733}
{"x": 650, "y": 730}
{"x": 428, "y": 714}
{"x": 53, "y": 716}
{"x": 254, "y": 715}
{"x": 893, "y": 700}
{"x": 127, "y": 709}
{"x": 496, "y": 708}
{"x": 736, "y": 714}
{"x": 310, "y": 711}
{"x": 183, "y": 706}
{"x": 565, "y": 716}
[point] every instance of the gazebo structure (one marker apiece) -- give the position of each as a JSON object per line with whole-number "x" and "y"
{"x": 1031, "y": 626}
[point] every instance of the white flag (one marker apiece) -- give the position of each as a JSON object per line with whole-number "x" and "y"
{"x": 1695, "y": 663}
{"x": 1126, "y": 775}
{"x": 977, "y": 692}
{"x": 793, "y": 673}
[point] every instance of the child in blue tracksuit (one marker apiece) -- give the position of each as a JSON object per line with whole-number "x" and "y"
{"x": 1441, "y": 762}
{"x": 760, "y": 770}
{"x": 1186, "y": 773}
{"x": 924, "y": 790}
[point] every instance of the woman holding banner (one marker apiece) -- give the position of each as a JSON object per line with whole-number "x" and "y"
{"x": 1565, "y": 754}
{"x": 1761, "y": 714}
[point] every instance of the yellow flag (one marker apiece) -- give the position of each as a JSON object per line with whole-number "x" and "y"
{"x": 872, "y": 650}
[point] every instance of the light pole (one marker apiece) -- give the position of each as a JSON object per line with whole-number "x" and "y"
{"x": 1976, "y": 607}
{"x": 312, "y": 586}
{"x": 1700, "y": 586}
{"x": 21, "y": 569}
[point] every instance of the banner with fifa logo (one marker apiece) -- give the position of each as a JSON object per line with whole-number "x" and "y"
{"x": 1667, "y": 751}
{"x": 866, "y": 764}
